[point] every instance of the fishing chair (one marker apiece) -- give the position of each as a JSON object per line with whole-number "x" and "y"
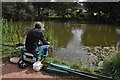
{"x": 31, "y": 56}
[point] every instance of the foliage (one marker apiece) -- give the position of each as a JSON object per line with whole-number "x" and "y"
{"x": 112, "y": 65}
{"x": 11, "y": 33}
{"x": 81, "y": 68}
{"x": 103, "y": 10}
{"x": 49, "y": 35}
{"x": 49, "y": 59}
{"x": 41, "y": 11}
{"x": 37, "y": 11}
{"x": 18, "y": 11}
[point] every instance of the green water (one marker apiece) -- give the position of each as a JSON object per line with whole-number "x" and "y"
{"x": 72, "y": 37}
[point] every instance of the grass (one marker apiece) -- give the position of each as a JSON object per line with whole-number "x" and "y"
{"x": 72, "y": 65}
{"x": 112, "y": 65}
{"x": 11, "y": 34}
{"x": 49, "y": 36}
{"x": 11, "y": 31}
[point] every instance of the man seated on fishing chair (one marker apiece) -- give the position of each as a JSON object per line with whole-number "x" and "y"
{"x": 33, "y": 37}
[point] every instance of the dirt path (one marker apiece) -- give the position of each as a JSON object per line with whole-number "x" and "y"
{"x": 13, "y": 71}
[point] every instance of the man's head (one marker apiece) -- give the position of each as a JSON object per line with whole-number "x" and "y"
{"x": 39, "y": 25}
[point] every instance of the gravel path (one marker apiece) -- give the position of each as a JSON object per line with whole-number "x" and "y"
{"x": 13, "y": 71}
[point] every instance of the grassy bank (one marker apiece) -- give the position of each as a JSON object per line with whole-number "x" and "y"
{"x": 112, "y": 65}
{"x": 72, "y": 65}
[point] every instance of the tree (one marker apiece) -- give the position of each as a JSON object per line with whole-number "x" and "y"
{"x": 108, "y": 11}
{"x": 18, "y": 11}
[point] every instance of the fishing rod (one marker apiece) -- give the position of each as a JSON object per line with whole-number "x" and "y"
{"x": 84, "y": 74}
{"x": 99, "y": 76}
{"x": 16, "y": 45}
{"x": 10, "y": 45}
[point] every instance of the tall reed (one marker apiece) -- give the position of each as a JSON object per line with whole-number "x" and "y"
{"x": 49, "y": 35}
{"x": 11, "y": 33}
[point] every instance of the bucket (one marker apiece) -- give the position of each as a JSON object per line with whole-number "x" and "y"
{"x": 37, "y": 66}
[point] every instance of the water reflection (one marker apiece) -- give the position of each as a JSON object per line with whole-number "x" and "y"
{"x": 73, "y": 51}
{"x": 100, "y": 35}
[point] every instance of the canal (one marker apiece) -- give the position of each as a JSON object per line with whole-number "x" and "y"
{"x": 83, "y": 44}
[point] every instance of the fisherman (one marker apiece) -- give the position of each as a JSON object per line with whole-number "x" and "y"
{"x": 34, "y": 36}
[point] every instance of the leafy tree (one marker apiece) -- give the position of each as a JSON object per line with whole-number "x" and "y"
{"x": 108, "y": 11}
{"x": 18, "y": 11}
